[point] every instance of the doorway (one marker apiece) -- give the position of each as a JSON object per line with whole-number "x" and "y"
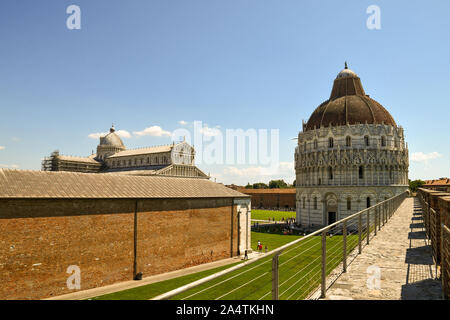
{"x": 331, "y": 217}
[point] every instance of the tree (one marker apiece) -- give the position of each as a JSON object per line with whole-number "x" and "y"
{"x": 273, "y": 184}
{"x": 415, "y": 184}
{"x": 293, "y": 183}
{"x": 260, "y": 185}
{"x": 248, "y": 186}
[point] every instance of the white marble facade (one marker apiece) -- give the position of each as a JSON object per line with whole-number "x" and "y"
{"x": 342, "y": 169}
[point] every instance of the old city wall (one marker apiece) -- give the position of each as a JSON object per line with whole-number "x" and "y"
{"x": 108, "y": 239}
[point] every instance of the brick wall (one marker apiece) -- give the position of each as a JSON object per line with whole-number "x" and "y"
{"x": 271, "y": 198}
{"x": 39, "y": 239}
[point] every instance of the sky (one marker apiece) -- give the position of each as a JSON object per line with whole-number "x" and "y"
{"x": 154, "y": 67}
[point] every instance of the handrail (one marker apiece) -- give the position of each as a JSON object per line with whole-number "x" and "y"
{"x": 276, "y": 251}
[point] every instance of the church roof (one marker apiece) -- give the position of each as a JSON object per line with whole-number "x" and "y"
{"x": 142, "y": 151}
{"x": 51, "y": 184}
{"x": 348, "y": 104}
{"x": 89, "y": 159}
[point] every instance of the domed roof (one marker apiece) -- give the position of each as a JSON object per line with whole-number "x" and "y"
{"x": 112, "y": 139}
{"x": 348, "y": 104}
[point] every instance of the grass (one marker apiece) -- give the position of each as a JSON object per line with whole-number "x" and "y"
{"x": 299, "y": 273}
{"x": 149, "y": 291}
{"x": 266, "y": 214}
{"x": 272, "y": 241}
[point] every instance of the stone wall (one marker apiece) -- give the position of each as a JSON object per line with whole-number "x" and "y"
{"x": 40, "y": 239}
{"x": 271, "y": 198}
{"x": 435, "y": 220}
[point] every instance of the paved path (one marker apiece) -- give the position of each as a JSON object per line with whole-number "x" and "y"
{"x": 402, "y": 253}
{"x": 95, "y": 292}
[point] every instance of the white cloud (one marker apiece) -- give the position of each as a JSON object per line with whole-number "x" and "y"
{"x": 243, "y": 175}
{"x": 155, "y": 131}
{"x": 209, "y": 132}
{"x": 120, "y": 133}
{"x": 123, "y": 134}
{"x": 424, "y": 157}
{"x": 2, "y": 148}
{"x": 182, "y": 122}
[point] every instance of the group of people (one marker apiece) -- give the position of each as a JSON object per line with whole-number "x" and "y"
{"x": 260, "y": 247}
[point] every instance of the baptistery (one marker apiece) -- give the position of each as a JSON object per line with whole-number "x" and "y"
{"x": 351, "y": 154}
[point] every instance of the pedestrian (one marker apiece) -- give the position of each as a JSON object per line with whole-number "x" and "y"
{"x": 266, "y": 248}
{"x": 259, "y": 245}
{"x": 246, "y": 255}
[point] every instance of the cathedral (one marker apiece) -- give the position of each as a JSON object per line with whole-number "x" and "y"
{"x": 176, "y": 159}
{"x": 351, "y": 154}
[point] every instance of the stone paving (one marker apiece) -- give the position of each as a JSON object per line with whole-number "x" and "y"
{"x": 402, "y": 253}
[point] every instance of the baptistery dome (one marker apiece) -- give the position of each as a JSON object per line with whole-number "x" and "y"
{"x": 348, "y": 104}
{"x": 350, "y": 155}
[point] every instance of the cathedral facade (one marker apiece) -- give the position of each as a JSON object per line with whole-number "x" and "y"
{"x": 176, "y": 159}
{"x": 350, "y": 155}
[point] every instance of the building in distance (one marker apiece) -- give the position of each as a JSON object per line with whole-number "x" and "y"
{"x": 176, "y": 159}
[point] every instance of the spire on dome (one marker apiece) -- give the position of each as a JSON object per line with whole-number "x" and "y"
{"x": 346, "y": 67}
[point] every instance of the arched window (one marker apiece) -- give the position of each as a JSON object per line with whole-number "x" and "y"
{"x": 304, "y": 202}
{"x": 383, "y": 141}
{"x": 315, "y": 202}
{"x": 361, "y": 172}
{"x": 368, "y": 202}
{"x": 348, "y": 141}
{"x": 349, "y": 203}
{"x": 304, "y": 147}
{"x": 366, "y": 141}
{"x": 330, "y": 173}
{"x": 315, "y": 144}
{"x": 330, "y": 142}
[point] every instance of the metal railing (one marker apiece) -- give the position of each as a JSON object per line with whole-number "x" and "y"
{"x": 338, "y": 241}
{"x": 299, "y": 267}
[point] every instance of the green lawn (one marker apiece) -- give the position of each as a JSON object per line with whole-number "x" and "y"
{"x": 272, "y": 241}
{"x": 299, "y": 273}
{"x": 266, "y": 214}
{"x": 149, "y": 291}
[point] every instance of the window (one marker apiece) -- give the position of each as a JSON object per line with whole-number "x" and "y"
{"x": 361, "y": 172}
{"x": 368, "y": 202}
{"x": 349, "y": 203}
{"x": 303, "y": 202}
{"x": 383, "y": 141}
{"x": 348, "y": 141}
{"x": 366, "y": 141}
{"x": 330, "y": 142}
{"x": 315, "y": 202}
{"x": 304, "y": 147}
{"x": 330, "y": 173}
{"x": 315, "y": 144}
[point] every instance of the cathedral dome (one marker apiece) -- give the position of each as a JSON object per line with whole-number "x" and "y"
{"x": 348, "y": 104}
{"x": 112, "y": 139}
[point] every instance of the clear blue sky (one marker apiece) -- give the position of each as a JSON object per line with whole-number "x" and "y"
{"x": 229, "y": 63}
